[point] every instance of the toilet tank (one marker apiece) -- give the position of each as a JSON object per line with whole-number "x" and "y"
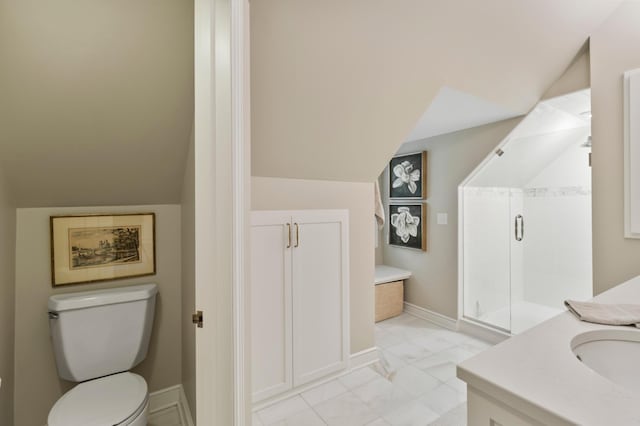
{"x": 97, "y": 333}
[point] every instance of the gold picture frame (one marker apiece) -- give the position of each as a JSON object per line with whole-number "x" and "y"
{"x": 102, "y": 247}
{"x": 408, "y": 225}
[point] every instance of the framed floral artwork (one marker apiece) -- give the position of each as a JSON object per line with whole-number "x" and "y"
{"x": 102, "y": 247}
{"x": 408, "y": 226}
{"x": 408, "y": 176}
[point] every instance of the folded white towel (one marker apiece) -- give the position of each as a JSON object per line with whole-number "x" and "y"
{"x": 378, "y": 208}
{"x": 601, "y": 313}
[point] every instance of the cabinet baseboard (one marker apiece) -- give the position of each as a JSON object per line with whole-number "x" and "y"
{"x": 363, "y": 358}
{"x": 356, "y": 361}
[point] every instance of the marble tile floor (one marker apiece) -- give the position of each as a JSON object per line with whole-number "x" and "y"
{"x": 414, "y": 384}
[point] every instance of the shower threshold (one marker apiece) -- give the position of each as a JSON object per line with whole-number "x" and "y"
{"x": 524, "y": 315}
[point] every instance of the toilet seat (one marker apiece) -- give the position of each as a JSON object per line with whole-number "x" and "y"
{"x": 110, "y": 400}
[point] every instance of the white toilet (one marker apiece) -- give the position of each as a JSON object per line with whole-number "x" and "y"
{"x": 97, "y": 337}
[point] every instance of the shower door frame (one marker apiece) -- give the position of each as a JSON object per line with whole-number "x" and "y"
{"x": 465, "y": 321}
{"x": 495, "y": 333}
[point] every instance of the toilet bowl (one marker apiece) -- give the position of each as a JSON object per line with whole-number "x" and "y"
{"x": 120, "y": 399}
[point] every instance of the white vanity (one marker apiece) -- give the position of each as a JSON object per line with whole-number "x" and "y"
{"x": 536, "y": 378}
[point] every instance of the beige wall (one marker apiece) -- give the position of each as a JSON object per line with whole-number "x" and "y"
{"x": 614, "y": 49}
{"x": 333, "y": 79}
{"x": 7, "y": 291}
{"x": 37, "y": 386}
{"x": 188, "y": 281}
{"x": 576, "y": 77}
{"x": 288, "y": 194}
{"x": 84, "y": 83}
{"x": 434, "y": 284}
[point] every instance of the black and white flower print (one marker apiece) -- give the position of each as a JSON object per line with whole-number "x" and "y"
{"x": 405, "y": 225}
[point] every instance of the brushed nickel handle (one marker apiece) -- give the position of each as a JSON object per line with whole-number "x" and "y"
{"x": 297, "y": 235}
{"x": 288, "y": 235}
{"x": 519, "y": 225}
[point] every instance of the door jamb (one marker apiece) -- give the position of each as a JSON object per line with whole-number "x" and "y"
{"x": 241, "y": 157}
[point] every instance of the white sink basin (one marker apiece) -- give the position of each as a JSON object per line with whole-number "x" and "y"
{"x": 614, "y": 354}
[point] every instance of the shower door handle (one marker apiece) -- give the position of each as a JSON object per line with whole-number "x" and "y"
{"x": 519, "y": 227}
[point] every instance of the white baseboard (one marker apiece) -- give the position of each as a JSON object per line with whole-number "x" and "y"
{"x": 482, "y": 332}
{"x": 364, "y": 358}
{"x": 171, "y": 397}
{"x": 434, "y": 317}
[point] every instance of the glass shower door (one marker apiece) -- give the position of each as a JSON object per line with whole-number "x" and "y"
{"x": 526, "y": 220}
{"x": 487, "y": 256}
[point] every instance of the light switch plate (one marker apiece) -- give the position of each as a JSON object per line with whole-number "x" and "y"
{"x": 443, "y": 219}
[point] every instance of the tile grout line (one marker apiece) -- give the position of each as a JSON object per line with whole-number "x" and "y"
{"x": 312, "y": 408}
{"x": 318, "y": 414}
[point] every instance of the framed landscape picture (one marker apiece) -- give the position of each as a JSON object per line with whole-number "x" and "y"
{"x": 94, "y": 248}
{"x": 408, "y": 226}
{"x": 408, "y": 176}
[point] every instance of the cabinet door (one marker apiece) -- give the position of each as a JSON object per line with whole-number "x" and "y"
{"x": 320, "y": 294}
{"x": 270, "y": 303}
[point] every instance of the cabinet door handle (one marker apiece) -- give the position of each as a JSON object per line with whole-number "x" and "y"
{"x": 297, "y": 235}
{"x": 288, "y": 235}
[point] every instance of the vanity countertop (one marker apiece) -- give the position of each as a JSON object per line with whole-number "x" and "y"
{"x": 387, "y": 274}
{"x": 536, "y": 372}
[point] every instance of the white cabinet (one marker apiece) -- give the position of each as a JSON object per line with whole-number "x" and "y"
{"x": 270, "y": 304}
{"x": 319, "y": 287}
{"x": 299, "y": 298}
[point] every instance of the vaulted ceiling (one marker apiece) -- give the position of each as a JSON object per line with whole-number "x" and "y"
{"x": 96, "y": 97}
{"x": 338, "y": 85}
{"x": 96, "y": 100}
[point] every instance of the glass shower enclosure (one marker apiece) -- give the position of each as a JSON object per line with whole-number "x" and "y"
{"x": 526, "y": 220}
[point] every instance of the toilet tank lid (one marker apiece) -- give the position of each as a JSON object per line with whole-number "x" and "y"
{"x": 87, "y": 299}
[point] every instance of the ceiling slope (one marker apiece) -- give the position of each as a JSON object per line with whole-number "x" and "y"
{"x": 451, "y": 111}
{"x": 576, "y": 77}
{"x": 338, "y": 85}
{"x": 552, "y": 128}
{"x": 96, "y": 103}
